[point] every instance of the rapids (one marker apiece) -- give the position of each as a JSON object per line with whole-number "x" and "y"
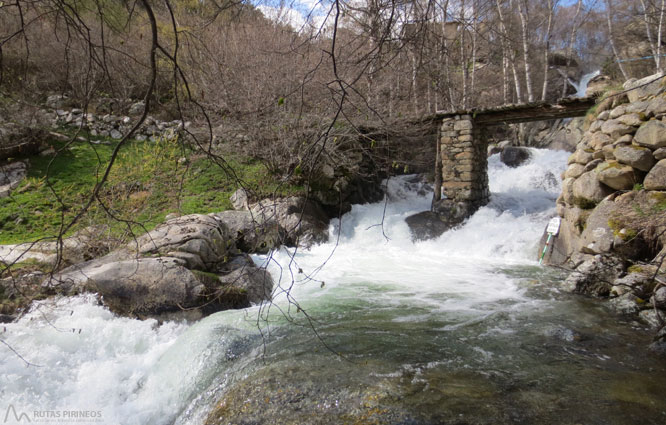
{"x": 368, "y": 328}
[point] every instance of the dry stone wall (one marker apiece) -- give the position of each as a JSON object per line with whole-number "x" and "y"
{"x": 464, "y": 160}
{"x": 613, "y": 204}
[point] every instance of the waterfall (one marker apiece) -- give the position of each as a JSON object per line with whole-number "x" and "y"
{"x": 581, "y": 86}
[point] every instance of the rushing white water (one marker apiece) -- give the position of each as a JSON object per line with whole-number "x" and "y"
{"x": 136, "y": 372}
{"x": 581, "y": 86}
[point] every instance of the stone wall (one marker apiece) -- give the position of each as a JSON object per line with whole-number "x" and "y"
{"x": 464, "y": 160}
{"x": 613, "y": 204}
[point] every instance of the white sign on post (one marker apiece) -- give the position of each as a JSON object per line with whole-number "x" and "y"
{"x": 553, "y": 226}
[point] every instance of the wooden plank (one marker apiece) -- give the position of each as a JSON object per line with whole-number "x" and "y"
{"x": 537, "y": 111}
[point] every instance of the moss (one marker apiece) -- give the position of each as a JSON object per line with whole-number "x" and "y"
{"x": 660, "y": 201}
{"x": 621, "y": 231}
{"x": 584, "y": 204}
{"x": 635, "y": 269}
{"x": 209, "y": 280}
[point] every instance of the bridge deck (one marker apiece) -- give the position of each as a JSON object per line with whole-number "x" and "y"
{"x": 527, "y": 112}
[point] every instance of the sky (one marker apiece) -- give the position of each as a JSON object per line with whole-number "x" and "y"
{"x": 296, "y": 13}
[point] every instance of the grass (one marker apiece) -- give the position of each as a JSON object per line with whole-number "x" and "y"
{"x": 148, "y": 181}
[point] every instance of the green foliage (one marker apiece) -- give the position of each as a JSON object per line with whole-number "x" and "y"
{"x": 148, "y": 181}
{"x": 584, "y": 204}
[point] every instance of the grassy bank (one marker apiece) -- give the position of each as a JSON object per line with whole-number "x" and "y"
{"x": 148, "y": 181}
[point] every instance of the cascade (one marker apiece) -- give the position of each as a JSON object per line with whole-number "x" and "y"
{"x": 463, "y": 328}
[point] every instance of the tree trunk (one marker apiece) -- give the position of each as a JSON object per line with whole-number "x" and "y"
{"x": 546, "y": 50}
{"x": 574, "y": 30}
{"x": 611, "y": 39}
{"x": 524, "y": 23}
{"x": 661, "y": 22}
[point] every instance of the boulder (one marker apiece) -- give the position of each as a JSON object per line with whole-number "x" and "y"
{"x": 626, "y": 304}
{"x": 136, "y": 108}
{"x": 638, "y": 89}
{"x": 18, "y": 140}
{"x": 143, "y": 286}
{"x": 426, "y": 225}
{"x": 254, "y": 284}
{"x": 240, "y": 200}
{"x": 599, "y": 140}
{"x": 632, "y": 120}
{"x": 656, "y": 107}
{"x": 616, "y": 175}
{"x": 652, "y": 135}
{"x": 11, "y": 176}
{"x": 581, "y": 156}
{"x": 152, "y": 287}
{"x": 567, "y": 190}
{"x": 618, "y": 111}
{"x": 588, "y": 190}
{"x": 251, "y": 234}
{"x": 594, "y": 276}
{"x": 574, "y": 170}
{"x": 635, "y": 156}
{"x": 616, "y": 129}
{"x": 514, "y": 156}
{"x": 656, "y": 178}
{"x": 637, "y": 107}
{"x": 203, "y": 242}
{"x": 659, "y": 298}
{"x": 563, "y": 245}
{"x": 659, "y": 154}
{"x": 597, "y": 238}
{"x": 301, "y": 222}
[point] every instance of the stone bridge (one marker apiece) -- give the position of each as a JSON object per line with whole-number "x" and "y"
{"x": 461, "y": 169}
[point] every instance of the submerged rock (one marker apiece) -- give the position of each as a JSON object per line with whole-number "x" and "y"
{"x": 301, "y": 222}
{"x": 426, "y": 225}
{"x": 515, "y": 156}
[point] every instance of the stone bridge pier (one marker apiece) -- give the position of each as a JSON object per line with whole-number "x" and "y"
{"x": 461, "y": 168}
{"x": 463, "y": 157}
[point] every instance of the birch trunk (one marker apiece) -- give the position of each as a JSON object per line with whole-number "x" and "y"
{"x": 524, "y": 23}
{"x": 546, "y": 49}
{"x": 572, "y": 37}
{"x": 661, "y": 22}
{"x": 611, "y": 39}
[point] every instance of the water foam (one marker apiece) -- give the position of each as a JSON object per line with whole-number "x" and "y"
{"x": 139, "y": 372}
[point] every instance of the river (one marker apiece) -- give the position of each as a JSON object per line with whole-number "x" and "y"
{"x": 368, "y": 328}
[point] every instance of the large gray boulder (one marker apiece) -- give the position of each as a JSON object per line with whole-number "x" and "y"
{"x": 253, "y": 283}
{"x": 150, "y": 287}
{"x": 635, "y": 156}
{"x": 598, "y": 237}
{"x": 580, "y": 156}
{"x": 188, "y": 264}
{"x": 251, "y": 233}
{"x": 615, "y": 129}
{"x": 202, "y": 241}
{"x": 141, "y": 286}
{"x": 638, "y": 89}
{"x": 588, "y": 190}
{"x": 514, "y": 156}
{"x": 594, "y": 276}
{"x": 426, "y": 225}
{"x": 301, "y": 222}
{"x": 652, "y": 135}
{"x": 656, "y": 178}
{"x": 616, "y": 176}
